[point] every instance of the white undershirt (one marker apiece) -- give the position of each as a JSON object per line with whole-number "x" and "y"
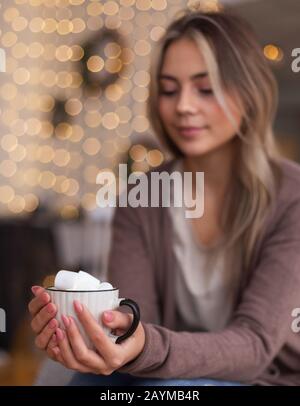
{"x": 206, "y": 278}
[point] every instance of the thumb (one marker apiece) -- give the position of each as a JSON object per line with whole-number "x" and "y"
{"x": 116, "y": 320}
{"x": 36, "y": 290}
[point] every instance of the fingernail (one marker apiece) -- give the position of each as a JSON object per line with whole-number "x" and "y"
{"x": 50, "y": 308}
{"x": 59, "y": 334}
{"x": 78, "y": 306}
{"x": 54, "y": 339}
{"x": 66, "y": 321}
{"x": 34, "y": 289}
{"x": 108, "y": 315}
{"x": 55, "y": 350}
{"x": 52, "y": 323}
{"x": 45, "y": 298}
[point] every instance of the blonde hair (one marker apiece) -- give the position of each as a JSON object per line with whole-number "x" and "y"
{"x": 235, "y": 64}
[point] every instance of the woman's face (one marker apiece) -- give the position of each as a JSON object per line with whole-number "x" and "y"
{"x": 188, "y": 108}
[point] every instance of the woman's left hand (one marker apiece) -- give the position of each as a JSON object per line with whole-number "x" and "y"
{"x": 71, "y": 350}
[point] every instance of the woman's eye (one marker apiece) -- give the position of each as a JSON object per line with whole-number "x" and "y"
{"x": 206, "y": 91}
{"x": 168, "y": 92}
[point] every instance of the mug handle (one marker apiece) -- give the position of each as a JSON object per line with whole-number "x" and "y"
{"x": 135, "y": 321}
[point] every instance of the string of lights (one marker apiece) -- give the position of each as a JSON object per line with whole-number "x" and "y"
{"x": 69, "y": 109}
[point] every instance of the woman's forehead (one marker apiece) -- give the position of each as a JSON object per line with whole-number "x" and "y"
{"x": 183, "y": 59}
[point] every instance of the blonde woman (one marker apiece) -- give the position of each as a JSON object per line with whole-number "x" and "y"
{"x": 216, "y": 292}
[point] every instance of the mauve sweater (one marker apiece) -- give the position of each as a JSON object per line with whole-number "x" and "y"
{"x": 258, "y": 345}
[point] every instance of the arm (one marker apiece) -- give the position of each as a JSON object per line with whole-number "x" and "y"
{"x": 130, "y": 266}
{"x": 242, "y": 351}
{"x": 259, "y": 328}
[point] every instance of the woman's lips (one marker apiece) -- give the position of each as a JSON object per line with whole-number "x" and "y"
{"x": 190, "y": 132}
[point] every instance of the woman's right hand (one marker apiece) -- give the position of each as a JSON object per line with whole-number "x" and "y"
{"x": 43, "y": 322}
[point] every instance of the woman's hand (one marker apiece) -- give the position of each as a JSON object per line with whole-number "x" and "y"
{"x": 71, "y": 350}
{"x": 43, "y": 323}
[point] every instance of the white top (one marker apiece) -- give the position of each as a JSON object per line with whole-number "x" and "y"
{"x": 206, "y": 281}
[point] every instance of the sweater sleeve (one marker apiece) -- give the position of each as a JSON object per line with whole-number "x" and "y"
{"x": 130, "y": 267}
{"x": 259, "y": 328}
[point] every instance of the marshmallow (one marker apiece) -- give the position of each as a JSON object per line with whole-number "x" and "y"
{"x": 105, "y": 286}
{"x": 85, "y": 281}
{"x": 67, "y": 280}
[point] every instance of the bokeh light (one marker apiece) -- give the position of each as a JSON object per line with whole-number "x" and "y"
{"x": 57, "y": 132}
{"x": 273, "y": 53}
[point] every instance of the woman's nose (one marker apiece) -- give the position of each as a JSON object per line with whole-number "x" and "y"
{"x": 186, "y": 103}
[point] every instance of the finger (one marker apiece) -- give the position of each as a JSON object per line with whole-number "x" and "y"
{"x": 42, "y": 340}
{"x": 117, "y": 320}
{"x": 58, "y": 357}
{"x": 66, "y": 352}
{"x": 41, "y": 319}
{"x": 36, "y": 290}
{"x": 37, "y": 303}
{"x": 97, "y": 335}
{"x": 53, "y": 350}
{"x": 50, "y": 348}
{"x": 81, "y": 352}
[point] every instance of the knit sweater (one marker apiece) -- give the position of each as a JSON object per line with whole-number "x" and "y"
{"x": 258, "y": 345}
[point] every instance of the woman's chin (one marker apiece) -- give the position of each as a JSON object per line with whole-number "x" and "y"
{"x": 193, "y": 150}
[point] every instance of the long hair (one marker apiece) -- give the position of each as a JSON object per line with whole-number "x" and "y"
{"x": 235, "y": 63}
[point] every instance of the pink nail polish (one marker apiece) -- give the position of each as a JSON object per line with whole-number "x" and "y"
{"x": 55, "y": 350}
{"x": 108, "y": 316}
{"x": 59, "y": 334}
{"x": 78, "y": 306}
{"x": 50, "y": 308}
{"x": 52, "y": 323}
{"x": 66, "y": 321}
{"x": 34, "y": 289}
{"x": 45, "y": 298}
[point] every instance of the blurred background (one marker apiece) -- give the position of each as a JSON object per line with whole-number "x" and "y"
{"x": 73, "y": 91}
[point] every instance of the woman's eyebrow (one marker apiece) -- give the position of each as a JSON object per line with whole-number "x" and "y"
{"x": 193, "y": 77}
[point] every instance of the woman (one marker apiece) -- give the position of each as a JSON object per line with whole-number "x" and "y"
{"x": 216, "y": 293}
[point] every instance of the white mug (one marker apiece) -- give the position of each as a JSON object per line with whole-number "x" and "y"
{"x": 97, "y": 301}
